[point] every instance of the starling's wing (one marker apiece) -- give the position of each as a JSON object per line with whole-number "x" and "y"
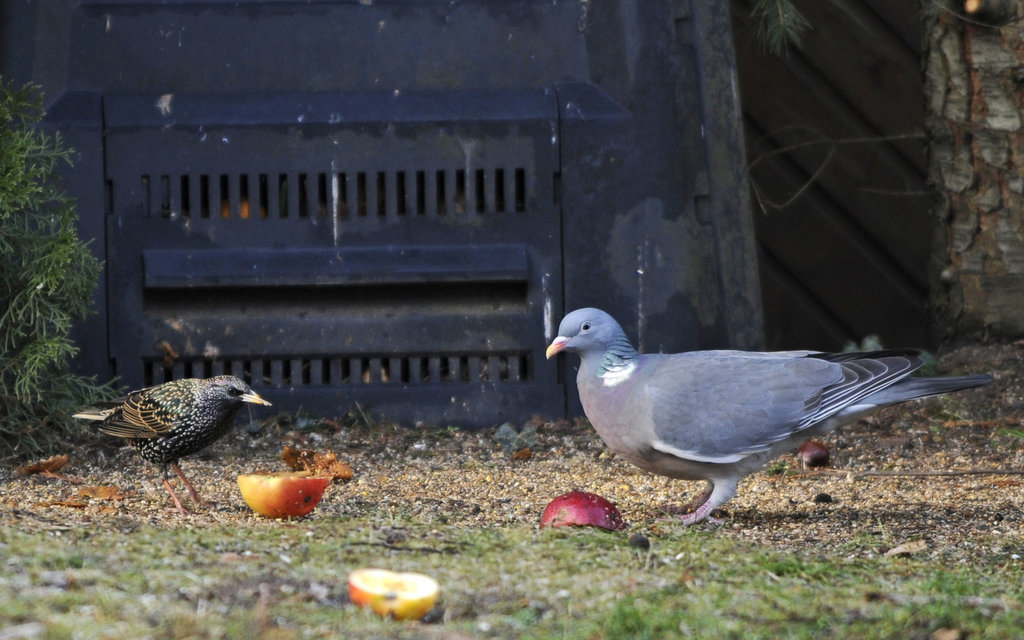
{"x": 147, "y": 413}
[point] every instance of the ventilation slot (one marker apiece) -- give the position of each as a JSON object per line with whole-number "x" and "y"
{"x": 350, "y": 370}
{"x": 359, "y": 194}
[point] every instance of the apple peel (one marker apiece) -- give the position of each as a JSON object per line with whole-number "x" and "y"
{"x": 580, "y": 508}
{"x": 813, "y": 454}
{"x": 402, "y": 596}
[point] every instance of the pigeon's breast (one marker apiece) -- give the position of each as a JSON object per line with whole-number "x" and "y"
{"x": 618, "y": 415}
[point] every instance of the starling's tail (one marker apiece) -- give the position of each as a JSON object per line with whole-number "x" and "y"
{"x": 911, "y": 388}
{"x": 92, "y": 413}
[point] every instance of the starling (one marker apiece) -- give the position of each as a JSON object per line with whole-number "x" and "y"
{"x": 174, "y": 419}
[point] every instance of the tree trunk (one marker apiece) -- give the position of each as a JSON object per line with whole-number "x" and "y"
{"x": 973, "y": 71}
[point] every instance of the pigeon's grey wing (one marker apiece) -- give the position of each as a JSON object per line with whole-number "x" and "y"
{"x": 721, "y": 408}
{"x": 864, "y": 377}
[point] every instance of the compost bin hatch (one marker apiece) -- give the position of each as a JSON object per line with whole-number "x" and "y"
{"x": 314, "y": 249}
{"x": 393, "y": 203}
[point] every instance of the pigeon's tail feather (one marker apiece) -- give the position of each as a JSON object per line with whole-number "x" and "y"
{"x": 851, "y": 356}
{"x": 911, "y": 388}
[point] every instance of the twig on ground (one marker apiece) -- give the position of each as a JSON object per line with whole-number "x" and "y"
{"x": 941, "y": 472}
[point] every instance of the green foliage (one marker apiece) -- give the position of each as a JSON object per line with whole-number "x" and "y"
{"x": 778, "y": 25}
{"x": 46, "y": 280}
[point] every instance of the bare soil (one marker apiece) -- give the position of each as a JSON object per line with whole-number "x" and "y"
{"x": 955, "y": 468}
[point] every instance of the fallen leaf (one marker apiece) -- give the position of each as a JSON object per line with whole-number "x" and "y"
{"x": 49, "y": 465}
{"x": 523, "y": 454}
{"x": 103, "y": 492}
{"x": 318, "y": 463}
{"x": 907, "y": 548}
{"x": 73, "y": 504}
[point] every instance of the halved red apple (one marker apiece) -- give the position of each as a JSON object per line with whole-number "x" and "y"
{"x": 290, "y": 494}
{"x": 582, "y": 509}
{"x": 403, "y": 596}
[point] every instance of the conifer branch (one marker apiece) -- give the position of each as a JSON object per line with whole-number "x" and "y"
{"x": 778, "y": 25}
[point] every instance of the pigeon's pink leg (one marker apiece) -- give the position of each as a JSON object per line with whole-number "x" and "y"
{"x": 699, "y": 499}
{"x": 721, "y": 492}
{"x": 694, "y": 502}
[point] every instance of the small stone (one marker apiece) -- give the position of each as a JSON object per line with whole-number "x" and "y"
{"x": 58, "y": 579}
{"x": 23, "y": 631}
{"x": 639, "y": 541}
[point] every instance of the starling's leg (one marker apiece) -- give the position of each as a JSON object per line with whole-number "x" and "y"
{"x": 174, "y": 496}
{"x": 170, "y": 489}
{"x": 192, "y": 490}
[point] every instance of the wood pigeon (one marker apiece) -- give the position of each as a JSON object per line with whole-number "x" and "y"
{"x": 721, "y": 415}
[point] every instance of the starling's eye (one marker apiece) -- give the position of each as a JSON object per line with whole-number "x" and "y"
{"x": 235, "y": 392}
{"x": 585, "y": 327}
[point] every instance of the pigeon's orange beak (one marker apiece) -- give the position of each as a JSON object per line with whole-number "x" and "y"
{"x": 556, "y": 345}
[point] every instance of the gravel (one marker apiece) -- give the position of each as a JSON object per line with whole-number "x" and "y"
{"x": 954, "y": 480}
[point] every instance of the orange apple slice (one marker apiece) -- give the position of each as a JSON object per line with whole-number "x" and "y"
{"x": 290, "y": 494}
{"x": 403, "y": 596}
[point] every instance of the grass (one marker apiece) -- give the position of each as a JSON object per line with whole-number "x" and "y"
{"x": 461, "y": 510}
{"x": 288, "y": 580}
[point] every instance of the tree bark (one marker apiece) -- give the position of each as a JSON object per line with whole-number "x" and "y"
{"x": 974, "y": 117}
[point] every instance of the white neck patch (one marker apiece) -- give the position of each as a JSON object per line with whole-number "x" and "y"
{"x": 618, "y": 375}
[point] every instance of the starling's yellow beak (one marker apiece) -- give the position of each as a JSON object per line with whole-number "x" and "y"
{"x": 556, "y": 345}
{"x": 254, "y": 398}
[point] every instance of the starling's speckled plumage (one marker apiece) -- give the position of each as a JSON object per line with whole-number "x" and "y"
{"x": 175, "y": 419}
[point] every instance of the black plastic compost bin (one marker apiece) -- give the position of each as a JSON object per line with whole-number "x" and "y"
{"x": 393, "y": 203}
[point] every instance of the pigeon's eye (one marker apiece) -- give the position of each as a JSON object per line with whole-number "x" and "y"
{"x": 585, "y": 327}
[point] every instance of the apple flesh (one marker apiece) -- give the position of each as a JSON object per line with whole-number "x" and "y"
{"x": 291, "y": 494}
{"x": 582, "y": 509}
{"x": 402, "y": 596}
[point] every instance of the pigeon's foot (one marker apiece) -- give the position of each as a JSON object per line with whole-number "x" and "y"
{"x": 693, "y": 504}
{"x": 700, "y": 514}
{"x": 719, "y": 492}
